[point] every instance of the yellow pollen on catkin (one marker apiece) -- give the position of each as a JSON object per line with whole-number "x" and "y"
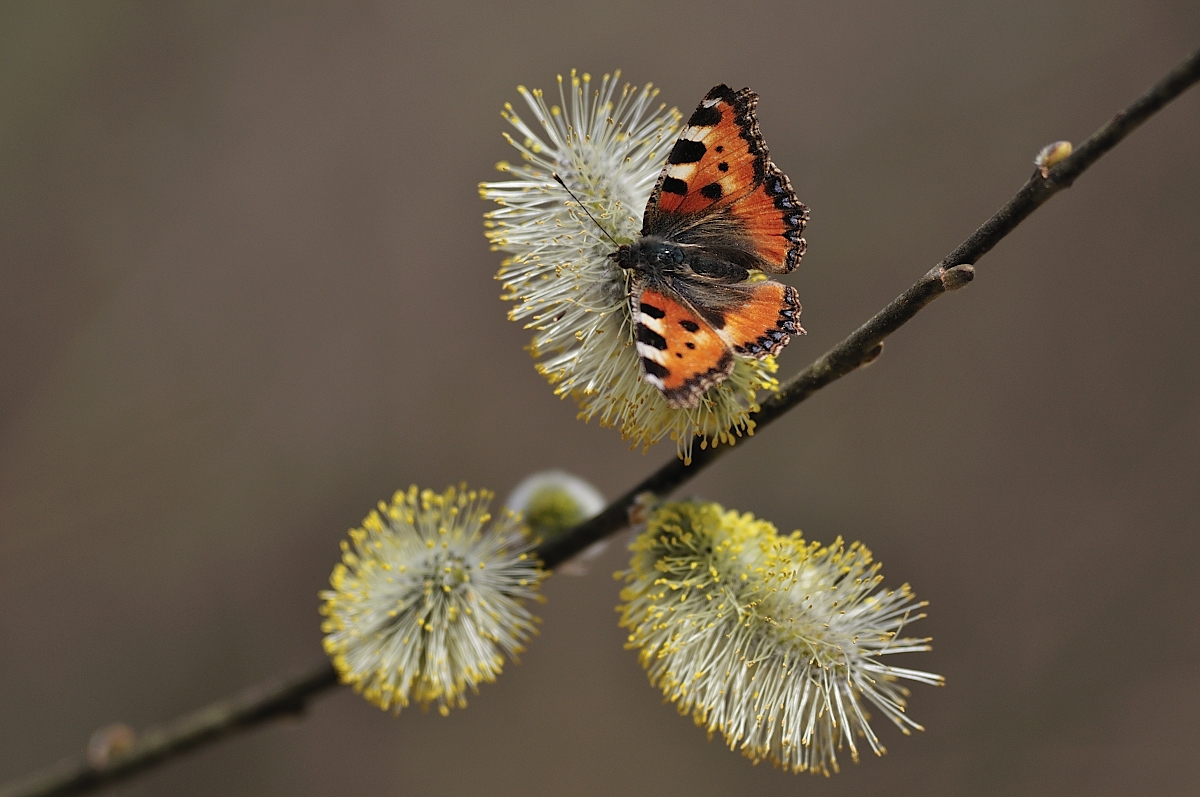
{"x": 789, "y": 651}
{"x": 400, "y": 625}
{"x": 608, "y": 144}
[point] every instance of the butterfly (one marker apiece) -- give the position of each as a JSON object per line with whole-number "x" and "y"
{"x": 720, "y": 209}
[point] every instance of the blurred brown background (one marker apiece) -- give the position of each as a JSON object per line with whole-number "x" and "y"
{"x": 244, "y": 294}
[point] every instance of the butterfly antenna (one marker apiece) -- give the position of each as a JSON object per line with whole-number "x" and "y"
{"x": 584, "y": 208}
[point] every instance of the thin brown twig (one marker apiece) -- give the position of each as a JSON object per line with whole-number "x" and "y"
{"x": 275, "y": 697}
{"x": 283, "y": 696}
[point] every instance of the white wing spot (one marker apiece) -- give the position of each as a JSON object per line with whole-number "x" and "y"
{"x": 651, "y": 353}
{"x": 655, "y": 324}
{"x": 682, "y": 171}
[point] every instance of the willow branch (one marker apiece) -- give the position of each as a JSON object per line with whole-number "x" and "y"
{"x": 290, "y": 695}
{"x": 273, "y": 698}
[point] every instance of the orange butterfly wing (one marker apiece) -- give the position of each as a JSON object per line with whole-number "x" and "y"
{"x": 773, "y": 219}
{"x": 712, "y": 160}
{"x": 682, "y": 355}
{"x": 763, "y": 323}
{"x": 720, "y": 171}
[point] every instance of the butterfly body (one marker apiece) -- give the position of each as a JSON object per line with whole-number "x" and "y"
{"x": 720, "y": 210}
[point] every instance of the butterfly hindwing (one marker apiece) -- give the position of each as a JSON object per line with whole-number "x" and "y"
{"x": 681, "y": 354}
{"x": 773, "y": 220}
{"x": 763, "y": 322}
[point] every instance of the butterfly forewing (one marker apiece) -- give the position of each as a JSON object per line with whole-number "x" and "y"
{"x": 681, "y": 354}
{"x": 718, "y": 154}
{"x": 720, "y": 171}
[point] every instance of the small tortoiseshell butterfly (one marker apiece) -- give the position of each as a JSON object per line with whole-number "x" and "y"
{"x": 719, "y": 209}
